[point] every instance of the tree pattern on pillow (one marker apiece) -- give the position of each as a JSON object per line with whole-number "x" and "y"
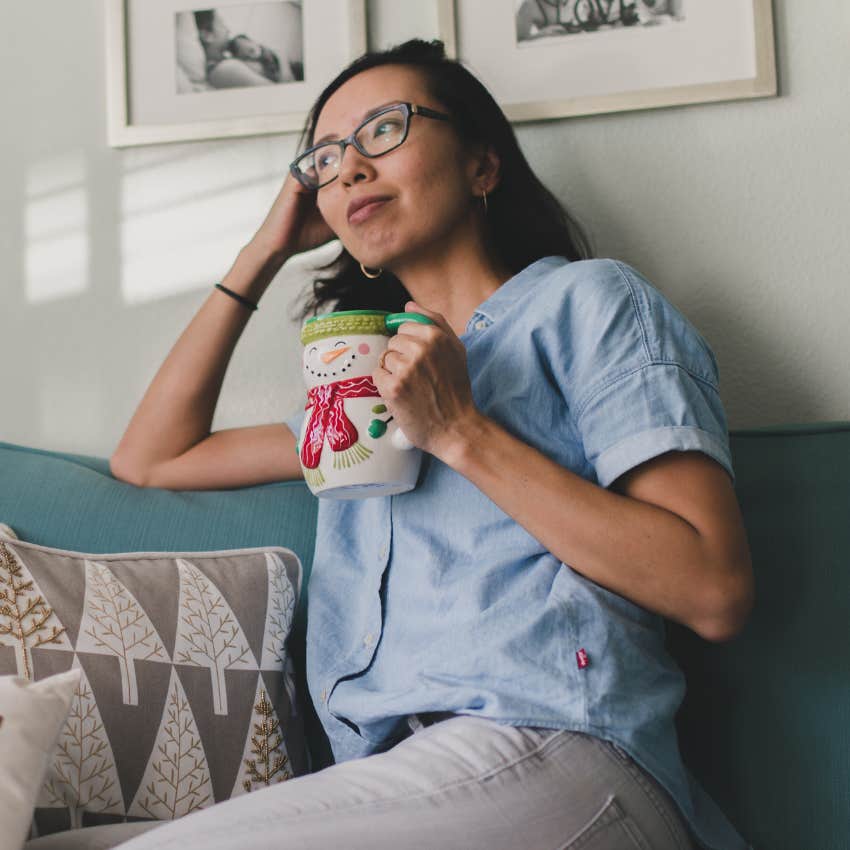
{"x": 115, "y": 624}
{"x": 84, "y": 775}
{"x": 208, "y": 634}
{"x": 265, "y": 761}
{"x": 281, "y": 610}
{"x": 26, "y": 620}
{"x": 177, "y": 778}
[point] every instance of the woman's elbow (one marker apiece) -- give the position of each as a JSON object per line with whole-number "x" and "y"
{"x": 732, "y": 608}
{"x": 127, "y": 473}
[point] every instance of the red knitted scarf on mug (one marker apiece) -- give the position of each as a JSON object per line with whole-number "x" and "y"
{"x": 328, "y": 418}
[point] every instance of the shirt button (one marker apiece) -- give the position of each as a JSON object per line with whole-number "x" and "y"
{"x": 384, "y": 551}
{"x": 369, "y": 639}
{"x": 324, "y": 696}
{"x": 480, "y": 325}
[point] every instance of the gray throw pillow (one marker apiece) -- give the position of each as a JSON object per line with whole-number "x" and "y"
{"x": 186, "y": 694}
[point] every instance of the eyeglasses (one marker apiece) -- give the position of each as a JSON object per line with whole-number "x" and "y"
{"x": 379, "y": 134}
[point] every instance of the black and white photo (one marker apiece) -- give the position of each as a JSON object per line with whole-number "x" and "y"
{"x": 543, "y": 20}
{"x": 257, "y": 44}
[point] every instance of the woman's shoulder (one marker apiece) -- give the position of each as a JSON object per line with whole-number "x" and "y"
{"x": 599, "y": 303}
{"x": 586, "y": 292}
{"x": 602, "y": 278}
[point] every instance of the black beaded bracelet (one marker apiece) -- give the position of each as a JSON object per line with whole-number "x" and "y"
{"x": 240, "y": 298}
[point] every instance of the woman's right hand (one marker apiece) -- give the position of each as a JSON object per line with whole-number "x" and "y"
{"x": 294, "y": 223}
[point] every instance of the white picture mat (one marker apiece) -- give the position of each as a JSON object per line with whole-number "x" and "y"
{"x": 275, "y": 118}
{"x": 715, "y": 43}
{"x": 151, "y": 50}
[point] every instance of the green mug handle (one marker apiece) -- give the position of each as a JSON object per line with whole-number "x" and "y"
{"x": 393, "y": 320}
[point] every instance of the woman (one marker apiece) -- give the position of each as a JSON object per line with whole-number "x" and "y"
{"x": 576, "y": 488}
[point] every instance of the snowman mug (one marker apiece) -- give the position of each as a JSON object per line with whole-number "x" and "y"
{"x": 349, "y": 446}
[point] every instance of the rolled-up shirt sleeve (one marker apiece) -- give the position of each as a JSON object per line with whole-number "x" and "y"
{"x": 657, "y": 408}
{"x": 643, "y": 381}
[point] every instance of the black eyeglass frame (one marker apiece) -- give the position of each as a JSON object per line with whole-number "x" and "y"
{"x": 407, "y": 109}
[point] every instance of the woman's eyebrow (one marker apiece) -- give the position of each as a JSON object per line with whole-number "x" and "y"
{"x": 369, "y": 114}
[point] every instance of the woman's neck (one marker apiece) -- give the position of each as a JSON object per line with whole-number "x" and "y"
{"x": 453, "y": 282}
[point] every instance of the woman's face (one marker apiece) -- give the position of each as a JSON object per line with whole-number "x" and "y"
{"x": 427, "y": 182}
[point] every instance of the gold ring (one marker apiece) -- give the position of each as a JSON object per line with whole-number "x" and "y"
{"x": 383, "y": 357}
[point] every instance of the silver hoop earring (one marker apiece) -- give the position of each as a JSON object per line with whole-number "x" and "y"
{"x": 371, "y": 274}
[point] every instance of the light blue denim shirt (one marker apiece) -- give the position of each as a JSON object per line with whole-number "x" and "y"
{"x": 437, "y": 600}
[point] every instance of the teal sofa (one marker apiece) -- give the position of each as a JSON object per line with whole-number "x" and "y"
{"x": 765, "y": 724}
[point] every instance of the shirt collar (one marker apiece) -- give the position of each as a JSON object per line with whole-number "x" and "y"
{"x": 503, "y": 299}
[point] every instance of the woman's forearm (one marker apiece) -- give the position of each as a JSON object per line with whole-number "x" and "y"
{"x": 177, "y": 409}
{"x": 640, "y": 551}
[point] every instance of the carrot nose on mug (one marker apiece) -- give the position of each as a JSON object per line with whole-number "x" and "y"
{"x": 350, "y": 447}
{"x": 332, "y": 355}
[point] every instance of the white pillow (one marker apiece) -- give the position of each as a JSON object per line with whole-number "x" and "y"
{"x": 31, "y": 716}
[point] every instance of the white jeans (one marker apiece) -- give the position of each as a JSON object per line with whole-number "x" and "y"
{"x": 466, "y": 783}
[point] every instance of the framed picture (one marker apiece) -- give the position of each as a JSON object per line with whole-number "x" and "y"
{"x": 558, "y": 58}
{"x": 179, "y": 72}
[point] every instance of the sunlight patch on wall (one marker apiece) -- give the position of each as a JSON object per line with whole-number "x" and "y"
{"x": 184, "y": 219}
{"x": 56, "y": 228}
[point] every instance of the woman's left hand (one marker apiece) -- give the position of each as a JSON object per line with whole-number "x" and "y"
{"x": 425, "y": 384}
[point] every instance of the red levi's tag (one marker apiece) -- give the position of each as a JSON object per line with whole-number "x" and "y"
{"x": 582, "y": 659}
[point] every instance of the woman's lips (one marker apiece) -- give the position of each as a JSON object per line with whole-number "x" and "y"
{"x": 363, "y": 213}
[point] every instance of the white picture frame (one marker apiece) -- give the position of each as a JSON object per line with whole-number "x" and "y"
{"x": 692, "y": 51}
{"x": 446, "y": 26}
{"x": 160, "y": 78}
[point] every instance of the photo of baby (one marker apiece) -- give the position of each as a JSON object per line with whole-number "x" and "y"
{"x": 258, "y": 44}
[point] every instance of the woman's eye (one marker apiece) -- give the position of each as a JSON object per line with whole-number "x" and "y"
{"x": 325, "y": 160}
{"x": 387, "y": 126}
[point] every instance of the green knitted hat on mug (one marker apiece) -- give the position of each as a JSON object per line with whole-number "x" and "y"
{"x": 343, "y": 323}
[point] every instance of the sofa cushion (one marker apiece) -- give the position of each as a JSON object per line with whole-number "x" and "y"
{"x": 31, "y": 715}
{"x": 72, "y": 501}
{"x": 185, "y": 694}
{"x": 764, "y": 722}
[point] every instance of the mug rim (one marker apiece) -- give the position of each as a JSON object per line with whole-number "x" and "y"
{"x": 347, "y": 313}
